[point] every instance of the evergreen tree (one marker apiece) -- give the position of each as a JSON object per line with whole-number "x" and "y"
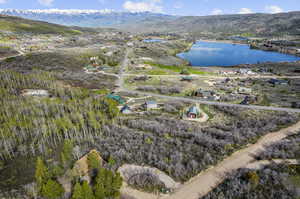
{"x": 87, "y": 192}
{"x": 66, "y": 154}
{"x": 40, "y": 173}
{"x": 107, "y": 184}
{"x": 93, "y": 160}
{"x": 99, "y": 191}
{"x": 77, "y": 191}
{"x": 52, "y": 190}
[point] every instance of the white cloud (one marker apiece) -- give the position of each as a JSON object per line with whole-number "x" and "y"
{"x": 143, "y": 6}
{"x": 3, "y": 1}
{"x": 217, "y": 12}
{"x": 245, "y": 11}
{"x": 47, "y": 3}
{"x": 273, "y": 9}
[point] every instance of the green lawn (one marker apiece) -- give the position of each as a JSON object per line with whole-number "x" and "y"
{"x": 178, "y": 69}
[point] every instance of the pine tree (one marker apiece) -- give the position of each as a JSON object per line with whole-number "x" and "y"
{"x": 77, "y": 192}
{"x": 116, "y": 185}
{"x": 87, "y": 192}
{"x": 52, "y": 190}
{"x": 93, "y": 160}
{"x": 99, "y": 188}
{"x": 66, "y": 154}
{"x": 99, "y": 191}
{"x": 40, "y": 173}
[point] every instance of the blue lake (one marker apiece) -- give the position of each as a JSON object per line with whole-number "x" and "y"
{"x": 224, "y": 54}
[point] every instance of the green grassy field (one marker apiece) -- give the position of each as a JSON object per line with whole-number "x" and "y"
{"x": 179, "y": 69}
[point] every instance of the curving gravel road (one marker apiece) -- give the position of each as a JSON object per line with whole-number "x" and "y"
{"x": 207, "y": 180}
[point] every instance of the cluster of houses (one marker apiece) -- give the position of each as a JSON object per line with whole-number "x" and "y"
{"x": 205, "y": 94}
{"x": 241, "y": 71}
{"x": 94, "y": 65}
{"x": 126, "y": 109}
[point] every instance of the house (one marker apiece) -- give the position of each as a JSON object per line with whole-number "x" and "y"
{"x": 245, "y": 71}
{"x": 244, "y": 90}
{"x": 278, "y": 82}
{"x": 246, "y": 101}
{"x": 187, "y": 78}
{"x": 210, "y": 95}
{"x": 150, "y": 105}
{"x": 126, "y": 110}
{"x": 193, "y": 112}
{"x": 37, "y": 93}
{"x": 116, "y": 98}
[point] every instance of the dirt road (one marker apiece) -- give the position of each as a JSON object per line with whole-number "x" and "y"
{"x": 203, "y": 183}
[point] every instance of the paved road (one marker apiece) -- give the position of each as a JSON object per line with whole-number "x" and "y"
{"x": 269, "y": 108}
{"x": 120, "y": 81}
{"x": 220, "y": 77}
{"x": 206, "y": 181}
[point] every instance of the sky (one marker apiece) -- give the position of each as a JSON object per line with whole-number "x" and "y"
{"x": 174, "y": 7}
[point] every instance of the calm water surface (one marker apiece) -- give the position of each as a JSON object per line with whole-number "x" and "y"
{"x": 224, "y": 54}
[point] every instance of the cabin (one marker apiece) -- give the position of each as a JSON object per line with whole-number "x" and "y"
{"x": 193, "y": 112}
{"x": 151, "y": 105}
{"x": 278, "y": 82}
{"x": 126, "y": 110}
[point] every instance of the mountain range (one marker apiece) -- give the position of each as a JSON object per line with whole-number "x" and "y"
{"x": 257, "y": 24}
{"x": 88, "y": 18}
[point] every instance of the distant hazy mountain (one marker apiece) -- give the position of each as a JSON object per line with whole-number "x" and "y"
{"x": 258, "y": 24}
{"x": 88, "y": 18}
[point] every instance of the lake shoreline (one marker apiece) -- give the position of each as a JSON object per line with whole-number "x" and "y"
{"x": 213, "y": 53}
{"x": 223, "y": 41}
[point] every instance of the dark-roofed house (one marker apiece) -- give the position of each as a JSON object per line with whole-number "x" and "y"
{"x": 126, "y": 109}
{"x": 278, "y": 82}
{"x": 193, "y": 112}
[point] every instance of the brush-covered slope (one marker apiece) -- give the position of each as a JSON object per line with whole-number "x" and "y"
{"x": 259, "y": 24}
{"x": 20, "y": 25}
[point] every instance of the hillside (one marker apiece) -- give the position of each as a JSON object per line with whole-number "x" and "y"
{"x": 20, "y": 25}
{"x": 260, "y": 24}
